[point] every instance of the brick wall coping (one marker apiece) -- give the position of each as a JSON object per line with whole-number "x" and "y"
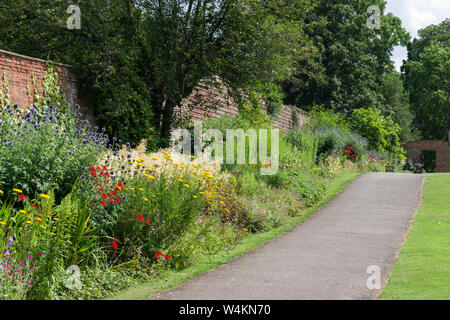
{"x": 9, "y": 53}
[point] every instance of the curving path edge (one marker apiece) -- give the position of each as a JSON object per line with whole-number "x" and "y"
{"x": 325, "y": 257}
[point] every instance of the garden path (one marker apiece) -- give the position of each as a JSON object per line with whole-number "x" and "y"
{"x": 325, "y": 257}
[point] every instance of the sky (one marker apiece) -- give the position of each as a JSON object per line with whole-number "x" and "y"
{"x": 415, "y": 15}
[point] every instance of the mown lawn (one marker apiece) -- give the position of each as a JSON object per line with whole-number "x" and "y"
{"x": 423, "y": 269}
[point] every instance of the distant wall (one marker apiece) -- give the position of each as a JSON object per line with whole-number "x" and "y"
{"x": 206, "y": 101}
{"x": 213, "y": 101}
{"x": 442, "y": 148}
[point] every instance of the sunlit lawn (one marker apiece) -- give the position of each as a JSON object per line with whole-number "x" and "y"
{"x": 423, "y": 268}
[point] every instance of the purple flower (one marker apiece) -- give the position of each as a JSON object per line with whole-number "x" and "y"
{"x": 11, "y": 240}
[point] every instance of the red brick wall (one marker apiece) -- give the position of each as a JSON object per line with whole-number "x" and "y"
{"x": 20, "y": 69}
{"x": 442, "y": 149}
{"x": 208, "y": 100}
{"x": 211, "y": 100}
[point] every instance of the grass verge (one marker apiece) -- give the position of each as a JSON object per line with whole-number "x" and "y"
{"x": 423, "y": 268}
{"x": 171, "y": 279}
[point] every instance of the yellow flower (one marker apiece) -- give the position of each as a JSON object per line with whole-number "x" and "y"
{"x": 23, "y": 211}
{"x": 181, "y": 180}
{"x": 43, "y": 227}
{"x": 45, "y": 196}
{"x": 140, "y": 160}
{"x": 154, "y": 158}
{"x": 156, "y": 166}
{"x": 222, "y": 203}
{"x": 17, "y": 190}
{"x": 165, "y": 163}
{"x": 131, "y": 188}
{"x": 195, "y": 197}
{"x": 195, "y": 166}
{"x": 192, "y": 157}
{"x": 1, "y": 192}
{"x": 199, "y": 179}
{"x": 151, "y": 177}
{"x": 29, "y": 222}
{"x": 56, "y": 219}
{"x": 201, "y": 192}
{"x": 140, "y": 189}
{"x": 2, "y": 223}
{"x": 182, "y": 167}
{"x": 145, "y": 199}
{"x": 53, "y": 234}
{"x": 195, "y": 172}
{"x": 186, "y": 185}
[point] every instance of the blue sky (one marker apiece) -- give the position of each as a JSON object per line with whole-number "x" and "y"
{"x": 415, "y": 15}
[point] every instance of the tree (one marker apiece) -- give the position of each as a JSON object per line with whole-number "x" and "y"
{"x": 139, "y": 58}
{"x": 382, "y": 132}
{"x": 352, "y": 57}
{"x": 395, "y": 104}
{"x": 427, "y": 80}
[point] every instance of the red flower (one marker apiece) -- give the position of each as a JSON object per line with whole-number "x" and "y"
{"x": 104, "y": 195}
{"x": 168, "y": 257}
{"x": 148, "y": 221}
{"x": 105, "y": 168}
{"x": 103, "y": 203}
{"x": 117, "y": 200}
{"x": 92, "y": 168}
{"x": 22, "y": 197}
{"x": 113, "y": 193}
{"x": 106, "y": 181}
{"x": 140, "y": 217}
{"x": 93, "y": 174}
{"x": 101, "y": 189}
{"x": 115, "y": 244}
{"x": 36, "y": 206}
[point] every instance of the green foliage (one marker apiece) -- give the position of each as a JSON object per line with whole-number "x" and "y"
{"x": 307, "y": 143}
{"x": 320, "y": 117}
{"x": 45, "y": 149}
{"x": 349, "y": 59}
{"x": 427, "y": 81}
{"x": 309, "y": 187}
{"x": 396, "y": 104}
{"x": 381, "y": 131}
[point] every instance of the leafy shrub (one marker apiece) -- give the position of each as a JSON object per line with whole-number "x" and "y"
{"x": 222, "y": 201}
{"x": 333, "y": 142}
{"x": 326, "y": 119}
{"x": 269, "y": 210}
{"x": 45, "y": 149}
{"x": 382, "y": 132}
{"x": 144, "y": 214}
{"x": 310, "y": 188}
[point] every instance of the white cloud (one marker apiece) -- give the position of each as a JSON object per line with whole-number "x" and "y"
{"x": 416, "y": 15}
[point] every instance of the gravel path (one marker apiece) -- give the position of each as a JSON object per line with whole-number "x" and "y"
{"x": 327, "y": 256}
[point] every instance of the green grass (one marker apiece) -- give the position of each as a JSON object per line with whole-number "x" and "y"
{"x": 170, "y": 279}
{"x": 423, "y": 268}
